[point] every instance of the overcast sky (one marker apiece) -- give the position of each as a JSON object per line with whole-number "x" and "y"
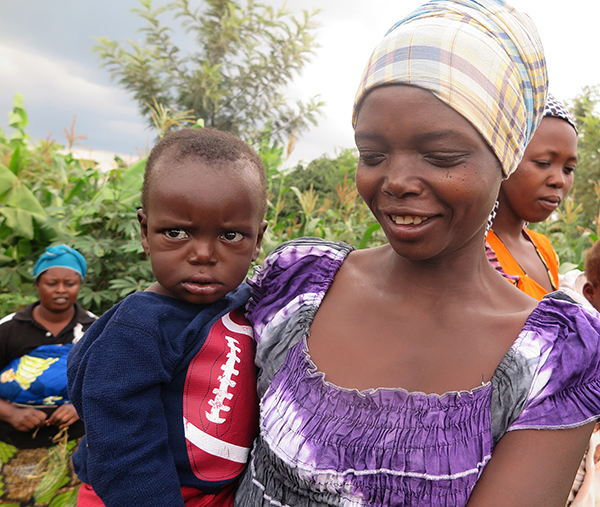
{"x": 45, "y": 53}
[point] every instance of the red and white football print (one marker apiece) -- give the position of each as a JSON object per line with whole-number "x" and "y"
{"x": 220, "y": 404}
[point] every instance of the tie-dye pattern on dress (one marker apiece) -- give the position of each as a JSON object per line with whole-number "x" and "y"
{"x": 322, "y": 445}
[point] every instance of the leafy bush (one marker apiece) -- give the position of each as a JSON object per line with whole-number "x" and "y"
{"x": 47, "y": 197}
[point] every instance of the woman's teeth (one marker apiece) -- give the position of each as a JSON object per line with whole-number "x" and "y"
{"x": 405, "y": 220}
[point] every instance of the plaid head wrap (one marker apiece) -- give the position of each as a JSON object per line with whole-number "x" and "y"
{"x": 556, "y": 109}
{"x": 482, "y": 58}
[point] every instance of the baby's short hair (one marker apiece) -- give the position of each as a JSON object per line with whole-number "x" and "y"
{"x": 592, "y": 263}
{"x": 209, "y": 145}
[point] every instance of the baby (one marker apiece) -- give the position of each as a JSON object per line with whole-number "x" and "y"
{"x": 165, "y": 381}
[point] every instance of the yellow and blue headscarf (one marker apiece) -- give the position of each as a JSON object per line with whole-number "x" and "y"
{"x": 61, "y": 256}
{"x": 481, "y": 57}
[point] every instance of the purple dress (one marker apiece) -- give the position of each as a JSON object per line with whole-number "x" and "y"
{"x": 323, "y": 445}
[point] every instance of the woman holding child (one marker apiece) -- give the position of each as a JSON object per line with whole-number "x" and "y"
{"x": 412, "y": 373}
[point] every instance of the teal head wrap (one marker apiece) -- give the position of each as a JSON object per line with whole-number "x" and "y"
{"x": 60, "y": 256}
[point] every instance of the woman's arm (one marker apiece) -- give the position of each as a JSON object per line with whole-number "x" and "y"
{"x": 532, "y": 468}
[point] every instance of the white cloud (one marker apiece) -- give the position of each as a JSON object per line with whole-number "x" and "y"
{"x": 351, "y": 28}
{"x": 43, "y": 79}
{"x": 348, "y": 31}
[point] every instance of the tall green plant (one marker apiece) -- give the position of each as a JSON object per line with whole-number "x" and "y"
{"x": 318, "y": 200}
{"x": 585, "y": 109}
{"x": 24, "y": 228}
{"x": 567, "y": 234}
{"x": 245, "y": 56}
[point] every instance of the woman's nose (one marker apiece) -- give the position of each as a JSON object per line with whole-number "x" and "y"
{"x": 402, "y": 178}
{"x": 557, "y": 177}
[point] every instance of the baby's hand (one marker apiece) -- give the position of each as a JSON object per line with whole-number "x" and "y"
{"x": 63, "y": 416}
{"x": 27, "y": 419}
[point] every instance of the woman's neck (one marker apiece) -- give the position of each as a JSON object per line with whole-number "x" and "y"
{"x": 463, "y": 271}
{"x": 507, "y": 225}
{"x": 53, "y": 320}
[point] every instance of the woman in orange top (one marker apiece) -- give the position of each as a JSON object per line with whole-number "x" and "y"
{"x": 531, "y": 194}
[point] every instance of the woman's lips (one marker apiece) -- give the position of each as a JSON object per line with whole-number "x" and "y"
{"x": 408, "y": 219}
{"x": 549, "y": 203}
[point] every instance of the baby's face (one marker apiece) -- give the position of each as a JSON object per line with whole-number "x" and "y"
{"x": 202, "y": 227}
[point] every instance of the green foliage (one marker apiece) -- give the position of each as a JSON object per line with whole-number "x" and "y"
{"x": 71, "y": 201}
{"x": 568, "y": 237}
{"x": 318, "y": 200}
{"x": 324, "y": 175}
{"x": 246, "y": 55}
{"x": 588, "y": 168}
{"x": 47, "y": 197}
{"x": 575, "y": 227}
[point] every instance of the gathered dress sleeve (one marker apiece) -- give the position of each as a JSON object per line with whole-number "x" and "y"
{"x": 560, "y": 345}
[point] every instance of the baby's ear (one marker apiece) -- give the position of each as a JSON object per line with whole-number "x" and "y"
{"x": 588, "y": 291}
{"x": 261, "y": 232}
{"x": 143, "y": 220}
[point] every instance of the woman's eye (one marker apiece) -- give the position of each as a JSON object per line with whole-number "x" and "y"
{"x": 371, "y": 158}
{"x": 232, "y": 236}
{"x": 176, "y": 234}
{"x": 542, "y": 163}
{"x": 449, "y": 160}
{"x": 569, "y": 170}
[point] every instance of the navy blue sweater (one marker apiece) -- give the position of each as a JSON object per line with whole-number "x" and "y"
{"x": 167, "y": 392}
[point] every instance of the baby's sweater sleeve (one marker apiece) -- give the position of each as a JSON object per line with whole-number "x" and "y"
{"x": 115, "y": 376}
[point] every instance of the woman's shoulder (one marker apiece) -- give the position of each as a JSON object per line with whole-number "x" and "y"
{"x": 558, "y": 315}
{"x": 24, "y": 315}
{"x": 561, "y": 331}
{"x": 84, "y": 316}
{"x": 300, "y": 266}
{"x": 538, "y": 238}
{"x": 553, "y": 368}
{"x": 307, "y": 250}
{"x": 544, "y": 246}
{"x": 292, "y": 281}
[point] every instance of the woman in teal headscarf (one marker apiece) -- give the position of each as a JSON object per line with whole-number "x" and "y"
{"x": 34, "y": 406}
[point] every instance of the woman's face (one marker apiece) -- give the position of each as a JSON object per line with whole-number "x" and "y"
{"x": 424, "y": 171}
{"x": 58, "y": 288}
{"x": 545, "y": 175}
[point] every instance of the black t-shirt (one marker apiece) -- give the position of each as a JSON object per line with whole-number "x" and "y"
{"x": 20, "y": 333}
